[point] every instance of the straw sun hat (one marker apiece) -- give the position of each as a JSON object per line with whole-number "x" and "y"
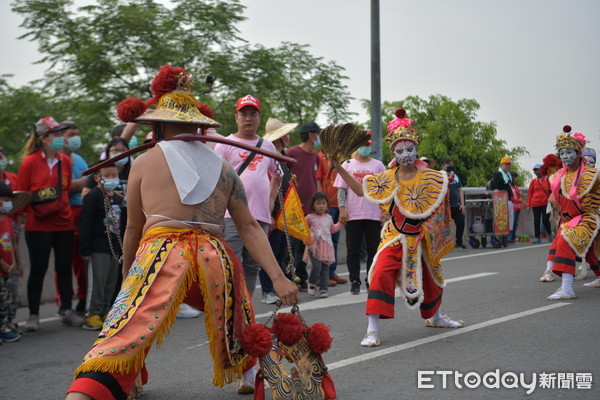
{"x": 275, "y": 129}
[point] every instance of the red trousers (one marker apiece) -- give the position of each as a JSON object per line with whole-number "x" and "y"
{"x": 565, "y": 259}
{"x": 383, "y": 285}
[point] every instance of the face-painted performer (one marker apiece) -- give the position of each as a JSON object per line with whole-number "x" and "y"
{"x": 574, "y": 191}
{"x": 590, "y": 155}
{"x": 416, "y": 236}
{"x": 177, "y": 195}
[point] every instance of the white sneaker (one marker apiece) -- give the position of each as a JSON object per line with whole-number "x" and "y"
{"x": 443, "y": 322}
{"x": 371, "y": 339}
{"x": 593, "y": 284}
{"x": 547, "y": 276}
{"x": 246, "y": 386}
{"x": 581, "y": 271}
{"x": 187, "y": 311}
{"x": 269, "y": 298}
{"x": 561, "y": 294}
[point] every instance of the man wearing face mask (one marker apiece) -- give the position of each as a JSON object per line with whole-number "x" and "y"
{"x": 78, "y": 165}
{"x": 457, "y": 200}
{"x": 537, "y": 200}
{"x": 575, "y": 191}
{"x": 416, "y": 236}
{"x": 305, "y": 170}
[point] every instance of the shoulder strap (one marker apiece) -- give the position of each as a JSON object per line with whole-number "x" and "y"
{"x": 249, "y": 158}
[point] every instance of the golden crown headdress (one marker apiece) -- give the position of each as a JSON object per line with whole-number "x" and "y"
{"x": 566, "y": 140}
{"x": 401, "y": 128}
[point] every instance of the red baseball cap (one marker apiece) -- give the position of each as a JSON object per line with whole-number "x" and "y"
{"x": 248, "y": 100}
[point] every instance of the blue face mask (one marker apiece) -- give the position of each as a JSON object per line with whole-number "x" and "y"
{"x": 318, "y": 141}
{"x": 3, "y": 164}
{"x": 121, "y": 162}
{"x": 74, "y": 143}
{"x": 57, "y": 143}
{"x": 111, "y": 184}
{"x": 133, "y": 142}
{"x": 364, "y": 151}
{"x": 6, "y": 207}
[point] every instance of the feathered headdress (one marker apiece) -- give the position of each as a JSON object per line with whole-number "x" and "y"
{"x": 566, "y": 140}
{"x": 401, "y": 128}
{"x": 173, "y": 99}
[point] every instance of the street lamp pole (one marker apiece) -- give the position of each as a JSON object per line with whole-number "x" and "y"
{"x": 375, "y": 81}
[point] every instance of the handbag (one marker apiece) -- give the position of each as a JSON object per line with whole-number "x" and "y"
{"x": 48, "y": 201}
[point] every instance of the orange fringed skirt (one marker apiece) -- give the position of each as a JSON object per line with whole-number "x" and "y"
{"x": 170, "y": 264}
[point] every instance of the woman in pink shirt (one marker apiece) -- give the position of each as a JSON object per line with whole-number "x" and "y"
{"x": 363, "y": 217}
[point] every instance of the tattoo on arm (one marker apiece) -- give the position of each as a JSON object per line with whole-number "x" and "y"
{"x": 342, "y": 195}
{"x": 237, "y": 189}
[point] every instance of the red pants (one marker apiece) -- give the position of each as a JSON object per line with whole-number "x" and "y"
{"x": 564, "y": 257}
{"x": 383, "y": 285}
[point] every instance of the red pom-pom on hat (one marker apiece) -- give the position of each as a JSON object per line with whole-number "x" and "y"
{"x": 206, "y": 110}
{"x": 288, "y": 328}
{"x": 567, "y": 128}
{"x": 400, "y": 113}
{"x": 167, "y": 80}
{"x": 256, "y": 340}
{"x": 130, "y": 109}
{"x": 319, "y": 339}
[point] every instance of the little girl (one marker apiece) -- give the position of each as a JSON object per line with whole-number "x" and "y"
{"x": 321, "y": 251}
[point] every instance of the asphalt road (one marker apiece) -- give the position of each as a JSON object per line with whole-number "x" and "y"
{"x": 511, "y": 331}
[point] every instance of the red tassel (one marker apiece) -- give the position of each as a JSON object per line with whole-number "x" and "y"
{"x": 130, "y": 108}
{"x": 288, "y": 328}
{"x": 319, "y": 339}
{"x": 328, "y": 387}
{"x": 259, "y": 386}
{"x": 206, "y": 110}
{"x": 256, "y": 340}
{"x": 167, "y": 80}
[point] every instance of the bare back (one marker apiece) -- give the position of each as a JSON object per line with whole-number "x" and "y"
{"x": 159, "y": 195}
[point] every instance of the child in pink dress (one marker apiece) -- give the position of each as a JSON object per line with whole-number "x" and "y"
{"x": 321, "y": 251}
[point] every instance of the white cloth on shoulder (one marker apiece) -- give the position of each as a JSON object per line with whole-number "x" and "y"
{"x": 195, "y": 168}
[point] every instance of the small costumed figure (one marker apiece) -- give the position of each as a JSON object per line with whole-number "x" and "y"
{"x": 416, "y": 236}
{"x": 575, "y": 194}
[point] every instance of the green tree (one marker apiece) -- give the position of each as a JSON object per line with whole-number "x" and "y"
{"x": 105, "y": 52}
{"x": 450, "y": 129}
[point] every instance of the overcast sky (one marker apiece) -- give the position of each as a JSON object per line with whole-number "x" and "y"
{"x": 533, "y": 65}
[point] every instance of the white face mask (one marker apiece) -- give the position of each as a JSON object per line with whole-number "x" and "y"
{"x": 591, "y": 161}
{"x": 567, "y": 156}
{"x": 6, "y": 207}
{"x": 405, "y": 153}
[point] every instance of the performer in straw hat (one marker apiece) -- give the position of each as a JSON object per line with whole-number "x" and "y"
{"x": 177, "y": 195}
{"x": 574, "y": 191}
{"x": 414, "y": 239}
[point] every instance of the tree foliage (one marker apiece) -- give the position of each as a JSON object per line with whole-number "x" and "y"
{"x": 450, "y": 129}
{"x": 103, "y": 53}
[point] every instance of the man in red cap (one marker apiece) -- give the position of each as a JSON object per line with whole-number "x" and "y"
{"x": 260, "y": 175}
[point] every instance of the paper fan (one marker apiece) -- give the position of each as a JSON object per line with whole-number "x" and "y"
{"x": 338, "y": 142}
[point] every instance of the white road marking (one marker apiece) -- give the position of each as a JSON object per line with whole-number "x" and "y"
{"x": 447, "y": 334}
{"x": 487, "y": 253}
{"x": 347, "y": 298}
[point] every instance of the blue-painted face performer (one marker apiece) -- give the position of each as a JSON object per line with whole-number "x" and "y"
{"x": 173, "y": 250}
{"x": 416, "y": 236}
{"x": 575, "y": 192}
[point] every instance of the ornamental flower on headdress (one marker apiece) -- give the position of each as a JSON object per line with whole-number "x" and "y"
{"x": 401, "y": 128}
{"x": 566, "y": 140}
{"x": 173, "y": 99}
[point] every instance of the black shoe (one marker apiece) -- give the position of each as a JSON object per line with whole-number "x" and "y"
{"x": 355, "y": 289}
{"x": 80, "y": 307}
